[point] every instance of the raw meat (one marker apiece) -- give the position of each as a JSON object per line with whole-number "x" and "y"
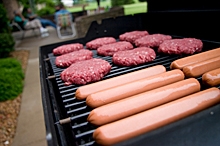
{"x": 84, "y": 72}
{"x": 134, "y": 57}
{"x": 132, "y": 36}
{"x": 110, "y": 49}
{"x": 70, "y": 58}
{"x": 94, "y": 44}
{"x": 64, "y": 49}
{"x": 181, "y": 46}
{"x": 153, "y": 40}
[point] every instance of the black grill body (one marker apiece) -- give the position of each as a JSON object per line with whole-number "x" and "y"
{"x": 59, "y": 102}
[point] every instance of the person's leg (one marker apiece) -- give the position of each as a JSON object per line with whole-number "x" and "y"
{"x": 37, "y": 24}
{"x": 46, "y": 22}
{"x": 43, "y": 23}
{"x": 33, "y": 24}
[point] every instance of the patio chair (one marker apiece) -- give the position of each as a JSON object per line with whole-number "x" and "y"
{"x": 65, "y": 26}
{"x": 15, "y": 24}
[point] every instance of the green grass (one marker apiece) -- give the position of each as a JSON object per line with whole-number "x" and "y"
{"x": 137, "y": 7}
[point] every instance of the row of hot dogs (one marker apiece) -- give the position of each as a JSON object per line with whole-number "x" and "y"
{"x": 135, "y": 103}
{"x": 205, "y": 64}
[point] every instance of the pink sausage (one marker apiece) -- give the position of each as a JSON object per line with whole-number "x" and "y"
{"x": 123, "y": 91}
{"x": 180, "y": 63}
{"x": 212, "y": 78}
{"x": 83, "y": 91}
{"x": 141, "y": 102}
{"x": 141, "y": 123}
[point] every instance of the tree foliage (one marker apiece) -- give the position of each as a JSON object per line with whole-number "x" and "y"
{"x": 4, "y": 27}
{"x": 48, "y": 9}
{"x": 6, "y": 40}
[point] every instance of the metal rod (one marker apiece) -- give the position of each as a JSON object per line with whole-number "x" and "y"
{"x": 69, "y": 119}
{"x": 51, "y": 77}
{"x": 46, "y": 59}
{"x": 63, "y": 121}
{"x": 84, "y": 133}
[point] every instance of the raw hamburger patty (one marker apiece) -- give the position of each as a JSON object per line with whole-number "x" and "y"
{"x": 64, "y": 49}
{"x": 134, "y": 57}
{"x": 94, "y": 44}
{"x": 70, "y": 58}
{"x": 153, "y": 40}
{"x": 132, "y": 36}
{"x": 87, "y": 71}
{"x": 110, "y": 49}
{"x": 181, "y": 46}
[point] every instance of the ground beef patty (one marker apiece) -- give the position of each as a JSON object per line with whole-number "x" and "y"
{"x": 153, "y": 40}
{"x": 132, "y": 36}
{"x": 110, "y": 49}
{"x": 94, "y": 44}
{"x": 181, "y": 46}
{"x": 64, "y": 49}
{"x": 134, "y": 57}
{"x": 70, "y": 58}
{"x": 87, "y": 71}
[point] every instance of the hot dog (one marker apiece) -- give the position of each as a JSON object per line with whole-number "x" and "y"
{"x": 141, "y": 102}
{"x": 83, "y": 91}
{"x": 212, "y": 78}
{"x": 138, "y": 124}
{"x": 198, "y": 69}
{"x": 180, "y": 63}
{"x": 123, "y": 91}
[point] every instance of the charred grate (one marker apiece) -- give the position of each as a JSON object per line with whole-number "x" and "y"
{"x": 78, "y": 111}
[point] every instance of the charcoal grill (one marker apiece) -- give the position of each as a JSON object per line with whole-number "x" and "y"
{"x": 59, "y": 102}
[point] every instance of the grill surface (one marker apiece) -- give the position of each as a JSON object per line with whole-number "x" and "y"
{"x": 59, "y": 101}
{"x": 77, "y": 110}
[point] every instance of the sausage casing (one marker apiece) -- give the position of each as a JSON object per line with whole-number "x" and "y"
{"x": 83, "y": 91}
{"x": 212, "y": 78}
{"x": 198, "y": 69}
{"x": 180, "y": 63}
{"x": 138, "y": 124}
{"x": 141, "y": 102}
{"x": 123, "y": 91}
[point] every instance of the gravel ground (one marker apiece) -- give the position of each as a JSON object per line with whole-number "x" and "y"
{"x": 9, "y": 110}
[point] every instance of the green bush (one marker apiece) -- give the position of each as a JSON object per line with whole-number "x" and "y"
{"x": 4, "y": 25}
{"x": 6, "y": 44}
{"x": 11, "y": 78}
{"x": 121, "y": 2}
{"x": 6, "y": 40}
{"x": 45, "y": 11}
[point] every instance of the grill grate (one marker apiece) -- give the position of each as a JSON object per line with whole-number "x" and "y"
{"x": 78, "y": 111}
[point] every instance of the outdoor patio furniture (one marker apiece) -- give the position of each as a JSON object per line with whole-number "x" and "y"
{"x": 65, "y": 26}
{"x": 23, "y": 31}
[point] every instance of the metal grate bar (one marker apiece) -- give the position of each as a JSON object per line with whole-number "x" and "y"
{"x": 76, "y": 110}
{"x": 84, "y": 134}
{"x": 88, "y": 144}
{"x": 80, "y": 125}
{"x": 68, "y": 95}
{"x": 74, "y": 104}
{"x": 79, "y": 116}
